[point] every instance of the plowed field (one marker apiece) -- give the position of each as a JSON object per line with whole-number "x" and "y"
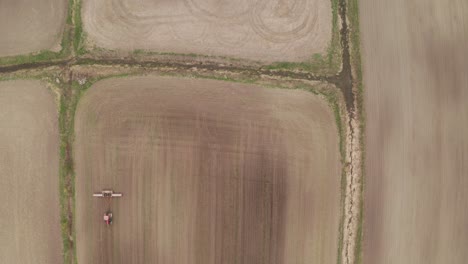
{"x": 211, "y": 172}
{"x": 29, "y": 207}
{"x": 278, "y": 30}
{"x": 30, "y": 26}
{"x": 416, "y": 191}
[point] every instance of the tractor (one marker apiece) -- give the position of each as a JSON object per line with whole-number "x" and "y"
{"x": 108, "y": 218}
{"x": 106, "y": 193}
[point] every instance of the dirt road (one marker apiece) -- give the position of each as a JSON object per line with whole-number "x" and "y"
{"x": 29, "y": 207}
{"x": 211, "y": 172}
{"x": 416, "y": 82}
{"x": 30, "y": 26}
{"x": 277, "y": 30}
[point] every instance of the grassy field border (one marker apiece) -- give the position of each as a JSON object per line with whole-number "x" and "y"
{"x": 65, "y": 171}
{"x": 339, "y": 110}
{"x": 47, "y": 55}
{"x": 355, "y": 53}
{"x": 79, "y": 35}
{"x": 69, "y": 98}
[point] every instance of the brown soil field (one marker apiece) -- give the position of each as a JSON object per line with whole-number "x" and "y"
{"x": 30, "y": 26}
{"x": 211, "y": 172}
{"x": 279, "y": 30}
{"x": 416, "y": 192}
{"x": 29, "y": 150}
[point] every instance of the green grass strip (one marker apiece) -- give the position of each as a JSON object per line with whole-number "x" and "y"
{"x": 353, "y": 16}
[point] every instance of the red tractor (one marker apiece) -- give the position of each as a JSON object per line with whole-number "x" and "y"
{"x": 107, "y": 194}
{"x": 108, "y": 218}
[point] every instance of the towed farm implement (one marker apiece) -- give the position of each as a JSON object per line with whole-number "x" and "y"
{"x": 106, "y": 193}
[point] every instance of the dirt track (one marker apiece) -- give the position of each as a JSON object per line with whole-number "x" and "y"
{"x": 30, "y": 26}
{"x": 281, "y": 30}
{"x": 29, "y": 208}
{"x": 416, "y": 196}
{"x": 212, "y": 172}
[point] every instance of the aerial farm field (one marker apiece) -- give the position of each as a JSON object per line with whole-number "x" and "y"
{"x": 211, "y": 172}
{"x": 181, "y": 132}
{"x": 416, "y": 192}
{"x": 31, "y": 26}
{"x": 29, "y": 210}
{"x": 233, "y": 131}
{"x": 268, "y": 31}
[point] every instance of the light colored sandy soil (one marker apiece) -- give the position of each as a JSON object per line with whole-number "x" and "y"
{"x": 211, "y": 172}
{"x": 415, "y": 74}
{"x": 29, "y": 207}
{"x": 278, "y": 30}
{"x": 30, "y": 26}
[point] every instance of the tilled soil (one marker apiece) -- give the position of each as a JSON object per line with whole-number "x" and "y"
{"x": 278, "y": 30}
{"x": 416, "y": 191}
{"x": 29, "y": 151}
{"x": 31, "y": 26}
{"x": 211, "y": 172}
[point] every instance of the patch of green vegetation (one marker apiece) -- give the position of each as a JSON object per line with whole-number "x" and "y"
{"x": 353, "y": 17}
{"x": 333, "y": 101}
{"x": 224, "y": 78}
{"x": 44, "y": 55}
{"x": 79, "y": 35}
{"x": 66, "y": 171}
{"x": 4, "y": 78}
{"x": 329, "y": 64}
{"x": 41, "y": 76}
{"x": 70, "y": 12}
{"x": 142, "y": 52}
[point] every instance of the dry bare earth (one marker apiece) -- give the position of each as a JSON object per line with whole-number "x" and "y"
{"x": 30, "y": 26}
{"x": 211, "y": 172}
{"x": 278, "y": 30}
{"x": 29, "y": 208}
{"x": 416, "y": 195}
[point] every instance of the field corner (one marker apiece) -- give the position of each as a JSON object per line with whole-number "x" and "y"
{"x": 328, "y": 64}
{"x": 47, "y": 55}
